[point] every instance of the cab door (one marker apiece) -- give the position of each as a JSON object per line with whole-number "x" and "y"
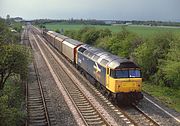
{"x": 107, "y": 76}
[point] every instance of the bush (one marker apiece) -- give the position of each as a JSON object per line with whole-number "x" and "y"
{"x": 151, "y": 53}
{"x": 170, "y": 66}
{"x": 121, "y": 44}
{"x": 71, "y": 34}
{"x": 11, "y": 102}
{"x": 14, "y": 59}
{"x": 57, "y": 30}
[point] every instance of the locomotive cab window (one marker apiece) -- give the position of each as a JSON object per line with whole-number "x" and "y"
{"x": 132, "y": 73}
{"x": 81, "y": 49}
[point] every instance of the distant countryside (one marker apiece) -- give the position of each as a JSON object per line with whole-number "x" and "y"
{"x": 142, "y": 30}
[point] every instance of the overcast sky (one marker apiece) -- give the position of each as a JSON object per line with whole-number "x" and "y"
{"x": 166, "y": 10}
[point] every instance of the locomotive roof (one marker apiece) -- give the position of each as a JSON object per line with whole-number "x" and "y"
{"x": 57, "y": 35}
{"x": 52, "y": 33}
{"x": 73, "y": 42}
{"x": 107, "y": 59}
{"x": 61, "y": 36}
{"x": 65, "y": 38}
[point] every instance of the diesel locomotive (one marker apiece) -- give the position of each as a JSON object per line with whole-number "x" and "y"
{"x": 119, "y": 78}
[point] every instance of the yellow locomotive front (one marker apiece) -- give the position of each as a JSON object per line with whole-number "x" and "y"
{"x": 125, "y": 81}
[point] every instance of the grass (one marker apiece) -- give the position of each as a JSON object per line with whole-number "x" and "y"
{"x": 144, "y": 31}
{"x": 169, "y": 96}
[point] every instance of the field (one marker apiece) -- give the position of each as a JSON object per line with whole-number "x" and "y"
{"x": 166, "y": 95}
{"x": 143, "y": 31}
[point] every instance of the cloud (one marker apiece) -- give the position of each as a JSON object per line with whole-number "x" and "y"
{"x": 95, "y": 9}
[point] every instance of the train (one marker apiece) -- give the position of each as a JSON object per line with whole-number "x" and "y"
{"x": 118, "y": 78}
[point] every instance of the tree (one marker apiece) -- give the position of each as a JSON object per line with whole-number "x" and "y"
{"x": 14, "y": 59}
{"x": 170, "y": 66}
{"x": 6, "y": 35}
{"x": 104, "y": 33}
{"x": 122, "y": 43}
{"x": 8, "y": 19}
{"x": 90, "y": 36}
{"x": 151, "y": 53}
{"x": 71, "y": 33}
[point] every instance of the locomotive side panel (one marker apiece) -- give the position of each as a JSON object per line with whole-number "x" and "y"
{"x": 93, "y": 68}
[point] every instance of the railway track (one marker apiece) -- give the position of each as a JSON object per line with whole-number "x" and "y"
{"x": 37, "y": 110}
{"x": 134, "y": 114}
{"x": 147, "y": 120}
{"x": 86, "y": 109}
{"x": 137, "y": 116}
{"x": 37, "y": 100}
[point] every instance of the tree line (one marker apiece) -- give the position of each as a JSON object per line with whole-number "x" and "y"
{"x": 14, "y": 61}
{"x": 158, "y": 56}
{"x": 42, "y": 22}
{"x": 14, "y": 58}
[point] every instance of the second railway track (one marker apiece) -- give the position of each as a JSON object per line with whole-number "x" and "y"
{"x": 86, "y": 109}
{"x": 37, "y": 99}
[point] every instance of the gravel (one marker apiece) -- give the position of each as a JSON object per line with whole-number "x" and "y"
{"x": 62, "y": 114}
{"x": 158, "y": 115}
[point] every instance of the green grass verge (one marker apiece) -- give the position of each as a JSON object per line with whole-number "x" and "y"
{"x": 169, "y": 96}
{"x": 143, "y": 31}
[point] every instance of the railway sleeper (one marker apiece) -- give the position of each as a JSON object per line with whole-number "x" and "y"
{"x": 84, "y": 108}
{"x": 38, "y": 122}
{"x": 88, "y": 111}
{"x": 91, "y": 116}
{"x": 92, "y": 113}
{"x": 33, "y": 92}
{"x": 80, "y": 104}
{"x": 34, "y": 97}
{"x": 79, "y": 100}
{"x": 97, "y": 123}
{"x": 35, "y": 114}
{"x": 39, "y": 110}
{"x": 33, "y": 102}
{"x": 78, "y": 97}
{"x": 93, "y": 119}
{"x": 35, "y": 106}
{"x": 36, "y": 109}
{"x": 35, "y": 87}
{"x": 37, "y": 117}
